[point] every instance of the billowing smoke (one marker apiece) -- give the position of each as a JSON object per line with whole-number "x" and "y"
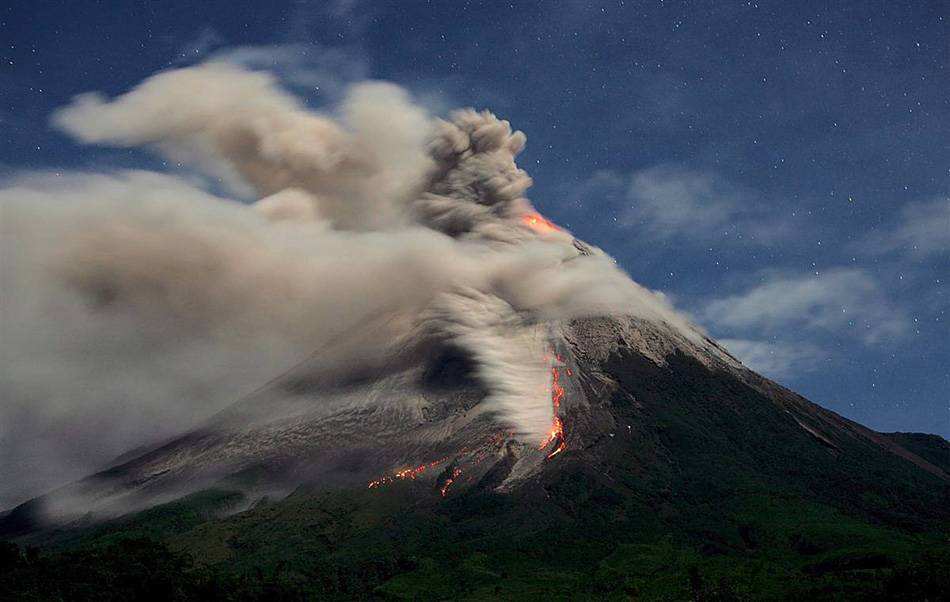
{"x": 360, "y": 165}
{"x": 136, "y": 303}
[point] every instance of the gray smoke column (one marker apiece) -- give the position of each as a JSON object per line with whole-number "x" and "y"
{"x": 135, "y": 303}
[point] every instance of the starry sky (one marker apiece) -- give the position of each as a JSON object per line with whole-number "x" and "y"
{"x": 780, "y": 170}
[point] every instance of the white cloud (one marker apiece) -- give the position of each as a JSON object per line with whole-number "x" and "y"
{"x": 317, "y": 69}
{"x": 840, "y": 299}
{"x": 666, "y": 202}
{"x": 671, "y": 201}
{"x": 923, "y": 228}
{"x": 774, "y": 359}
{"x": 198, "y": 47}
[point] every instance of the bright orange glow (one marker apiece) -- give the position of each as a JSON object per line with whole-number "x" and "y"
{"x": 470, "y": 459}
{"x": 539, "y": 223}
{"x": 556, "y": 432}
{"x": 448, "y": 482}
{"x": 404, "y": 474}
{"x": 557, "y": 426}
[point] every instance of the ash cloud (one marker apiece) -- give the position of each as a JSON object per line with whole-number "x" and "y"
{"x": 361, "y": 164}
{"x": 136, "y": 304}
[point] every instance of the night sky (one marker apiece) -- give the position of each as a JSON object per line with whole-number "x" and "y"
{"x": 780, "y": 170}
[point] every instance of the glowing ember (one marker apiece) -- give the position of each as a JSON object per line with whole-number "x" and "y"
{"x": 448, "y": 482}
{"x": 404, "y": 474}
{"x": 555, "y": 434}
{"x": 470, "y": 459}
{"x": 538, "y": 223}
{"x": 557, "y": 427}
{"x": 561, "y": 447}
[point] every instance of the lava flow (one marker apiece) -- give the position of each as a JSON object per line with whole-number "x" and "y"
{"x": 539, "y": 223}
{"x": 448, "y": 482}
{"x": 404, "y": 474}
{"x": 557, "y": 426}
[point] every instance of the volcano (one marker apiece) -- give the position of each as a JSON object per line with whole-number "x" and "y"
{"x": 665, "y": 454}
{"x": 497, "y": 448}
{"x": 632, "y": 400}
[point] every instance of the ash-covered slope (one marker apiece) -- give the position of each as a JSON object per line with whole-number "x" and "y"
{"x": 681, "y": 475}
{"x": 643, "y": 412}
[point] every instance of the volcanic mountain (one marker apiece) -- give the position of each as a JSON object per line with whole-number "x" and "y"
{"x": 665, "y": 454}
{"x": 502, "y": 441}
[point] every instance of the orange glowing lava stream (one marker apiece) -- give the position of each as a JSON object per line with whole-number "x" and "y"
{"x": 405, "y": 473}
{"x": 448, "y": 483}
{"x": 539, "y": 223}
{"x": 555, "y": 434}
{"x": 557, "y": 426}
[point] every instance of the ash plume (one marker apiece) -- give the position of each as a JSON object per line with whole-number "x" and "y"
{"x": 360, "y": 164}
{"x": 136, "y": 303}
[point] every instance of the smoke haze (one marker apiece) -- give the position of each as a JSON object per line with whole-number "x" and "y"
{"x": 135, "y": 303}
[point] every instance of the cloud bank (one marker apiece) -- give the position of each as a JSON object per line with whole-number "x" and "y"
{"x": 669, "y": 204}
{"x": 839, "y": 299}
{"x": 776, "y": 359}
{"x": 921, "y": 229}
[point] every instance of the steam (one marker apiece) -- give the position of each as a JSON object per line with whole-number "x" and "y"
{"x": 136, "y": 303}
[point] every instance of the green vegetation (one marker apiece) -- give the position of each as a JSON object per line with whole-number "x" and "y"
{"x": 406, "y": 543}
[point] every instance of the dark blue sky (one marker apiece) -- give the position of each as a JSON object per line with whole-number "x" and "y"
{"x": 781, "y": 170}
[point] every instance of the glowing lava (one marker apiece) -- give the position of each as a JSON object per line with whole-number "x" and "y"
{"x": 557, "y": 426}
{"x": 404, "y": 474}
{"x": 471, "y": 459}
{"x": 448, "y": 482}
{"x": 539, "y": 223}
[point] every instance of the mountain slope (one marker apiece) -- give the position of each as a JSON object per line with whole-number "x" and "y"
{"x": 681, "y": 473}
{"x": 631, "y": 390}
